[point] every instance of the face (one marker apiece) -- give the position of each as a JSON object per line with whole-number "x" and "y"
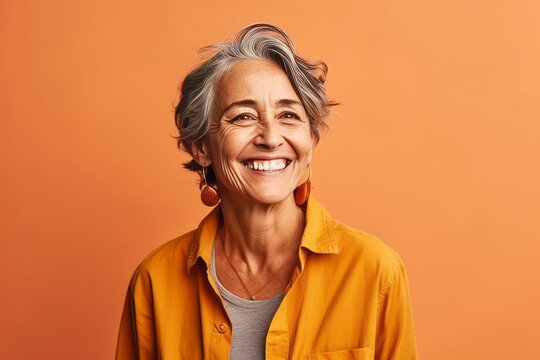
{"x": 260, "y": 141}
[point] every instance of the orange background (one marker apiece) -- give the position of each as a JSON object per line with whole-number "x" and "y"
{"x": 435, "y": 149}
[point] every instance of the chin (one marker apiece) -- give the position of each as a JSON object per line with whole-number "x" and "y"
{"x": 271, "y": 197}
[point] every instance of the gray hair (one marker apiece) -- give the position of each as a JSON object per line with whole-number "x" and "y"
{"x": 255, "y": 42}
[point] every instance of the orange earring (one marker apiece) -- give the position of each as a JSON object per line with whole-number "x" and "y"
{"x": 301, "y": 193}
{"x": 209, "y": 194}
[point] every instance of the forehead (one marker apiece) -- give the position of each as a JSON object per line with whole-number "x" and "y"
{"x": 254, "y": 79}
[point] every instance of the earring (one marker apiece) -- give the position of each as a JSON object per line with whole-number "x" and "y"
{"x": 301, "y": 193}
{"x": 209, "y": 194}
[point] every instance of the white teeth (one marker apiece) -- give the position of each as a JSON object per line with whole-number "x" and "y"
{"x": 267, "y": 165}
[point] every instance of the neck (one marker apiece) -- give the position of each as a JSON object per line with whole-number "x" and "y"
{"x": 262, "y": 235}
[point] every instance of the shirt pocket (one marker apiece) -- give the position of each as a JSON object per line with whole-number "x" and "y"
{"x": 365, "y": 353}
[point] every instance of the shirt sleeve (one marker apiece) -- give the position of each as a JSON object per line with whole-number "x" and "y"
{"x": 136, "y": 338}
{"x": 395, "y": 337}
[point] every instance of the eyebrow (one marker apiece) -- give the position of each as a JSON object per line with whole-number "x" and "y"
{"x": 251, "y": 102}
{"x": 245, "y": 102}
{"x": 288, "y": 102}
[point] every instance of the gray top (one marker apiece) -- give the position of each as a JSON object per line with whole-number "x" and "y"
{"x": 250, "y": 320}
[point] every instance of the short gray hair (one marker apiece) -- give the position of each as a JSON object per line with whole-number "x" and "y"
{"x": 256, "y": 42}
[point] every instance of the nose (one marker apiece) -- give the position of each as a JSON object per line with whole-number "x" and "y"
{"x": 269, "y": 135}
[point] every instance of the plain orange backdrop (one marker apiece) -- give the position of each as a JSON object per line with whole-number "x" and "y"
{"x": 435, "y": 149}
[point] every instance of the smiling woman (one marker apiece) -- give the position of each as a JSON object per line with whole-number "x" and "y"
{"x": 268, "y": 273}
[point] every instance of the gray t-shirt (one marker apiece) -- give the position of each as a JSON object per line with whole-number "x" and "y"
{"x": 250, "y": 320}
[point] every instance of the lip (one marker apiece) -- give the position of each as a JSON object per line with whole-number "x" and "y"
{"x": 277, "y": 164}
{"x": 266, "y": 158}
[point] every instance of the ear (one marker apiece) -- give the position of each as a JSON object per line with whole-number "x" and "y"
{"x": 200, "y": 153}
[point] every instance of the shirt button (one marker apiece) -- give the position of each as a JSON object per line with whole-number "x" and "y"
{"x": 222, "y": 328}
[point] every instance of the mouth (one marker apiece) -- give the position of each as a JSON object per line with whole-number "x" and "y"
{"x": 266, "y": 165}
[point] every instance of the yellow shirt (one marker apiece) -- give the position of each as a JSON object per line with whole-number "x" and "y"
{"x": 348, "y": 299}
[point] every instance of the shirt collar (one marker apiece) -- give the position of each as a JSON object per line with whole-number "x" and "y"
{"x": 201, "y": 245}
{"x": 318, "y": 234}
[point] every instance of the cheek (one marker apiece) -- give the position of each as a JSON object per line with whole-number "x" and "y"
{"x": 302, "y": 143}
{"x": 226, "y": 143}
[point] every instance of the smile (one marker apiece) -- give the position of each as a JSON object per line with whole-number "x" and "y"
{"x": 266, "y": 165}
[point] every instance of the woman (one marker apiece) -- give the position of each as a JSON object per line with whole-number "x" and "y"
{"x": 268, "y": 273}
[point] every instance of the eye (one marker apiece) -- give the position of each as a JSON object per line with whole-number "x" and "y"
{"x": 244, "y": 117}
{"x": 290, "y": 116}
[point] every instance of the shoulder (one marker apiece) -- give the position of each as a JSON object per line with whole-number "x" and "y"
{"x": 171, "y": 255}
{"x": 367, "y": 253}
{"x": 357, "y": 251}
{"x": 357, "y": 243}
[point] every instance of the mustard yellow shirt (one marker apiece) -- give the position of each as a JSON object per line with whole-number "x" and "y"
{"x": 348, "y": 299}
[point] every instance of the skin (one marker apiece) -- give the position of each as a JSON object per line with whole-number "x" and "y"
{"x": 257, "y": 117}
